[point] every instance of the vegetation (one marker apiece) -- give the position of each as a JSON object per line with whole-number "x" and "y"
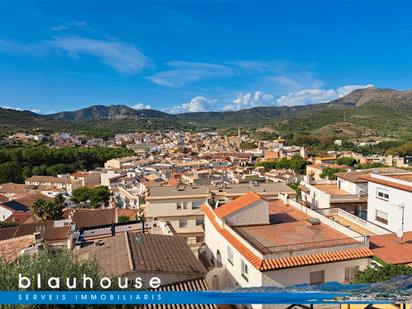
{"x": 295, "y": 186}
{"x": 346, "y": 161}
{"x": 381, "y": 113}
{"x": 248, "y": 145}
{"x": 91, "y": 197}
{"x": 7, "y": 224}
{"x": 380, "y": 274}
{"x": 296, "y": 163}
{"x": 123, "y": 219}
{"x": 19, "y": 163}
{"x": 60, "y": 265}
{"x": 47, "y": 210}
{"x": 329, "y": 173}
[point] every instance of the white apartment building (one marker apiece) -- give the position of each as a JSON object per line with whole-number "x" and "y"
{"x": 348, "y": 192}
{"x": 181, "y": 207}
{"x": 250, "y": 242}
{"x": 390, "y": 201}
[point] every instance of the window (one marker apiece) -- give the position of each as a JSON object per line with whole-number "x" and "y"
{"x": 183, "y": 223}
{"x": 382, "y": 194}
{"x": 199, "y": 239}
{"x": 179, "y": 206}
{"x": 196, "y": 205}
{"x": 230, "y": 255}
{"x": 243, "y": 270}
{"x": 317, "y": 277}
{"x": 350, "y": 273}
{"x": 185, "y": 205}
{"x": 199, "y": 221}
{"x": 381, "y": 217}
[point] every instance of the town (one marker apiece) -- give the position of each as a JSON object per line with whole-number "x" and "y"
{"x": 201, "y": 211}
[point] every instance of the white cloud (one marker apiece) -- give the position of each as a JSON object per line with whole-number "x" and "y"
{"x": 197, "y": 104}
{"x": 297, "y": 81}
{"x": 123, "y": 57}
{"x": 141, "y": 106}
{"x": 66, "y": 26}
{"x": 312, "y": 96}
{"x": 182, "y": 73}
{"x": 248, "y": 100}
{"x": 21, "y": 109}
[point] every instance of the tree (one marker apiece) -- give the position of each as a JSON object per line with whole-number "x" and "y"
{"x": 380, "y": 274}
{"x": 47, "y": 210}
{"x": 100, "y": 195}
{"x": 329, "y": 173}
{"x": 61, "y": 265}
{"x": 10, "y": 172}
{"x": 346, "y": 161}
{"x": 59, "y": 200}
{"x": 81, "y": 195}
{"x": 91, "y": 197}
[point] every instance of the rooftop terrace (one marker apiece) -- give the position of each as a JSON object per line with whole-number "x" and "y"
{"x": 290, "y": 230}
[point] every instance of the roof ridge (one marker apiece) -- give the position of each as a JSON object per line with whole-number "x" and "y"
{"x": 129, "y": 253}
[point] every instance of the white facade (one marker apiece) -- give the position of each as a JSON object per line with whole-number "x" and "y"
{"x": 230, "y": 264}
{"x": 387, "y": 204}
{"x": 4, "y": 213}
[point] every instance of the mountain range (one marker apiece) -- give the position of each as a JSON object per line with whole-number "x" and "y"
{"x": 363, "y": 111}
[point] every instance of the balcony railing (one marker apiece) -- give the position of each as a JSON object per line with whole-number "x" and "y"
{"x": 354, "y": 219}
{"x": 346, "y": 197}
{"x": 319, "y": 244}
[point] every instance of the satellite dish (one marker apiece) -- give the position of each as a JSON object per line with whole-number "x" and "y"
{"x": 399, "y": 233}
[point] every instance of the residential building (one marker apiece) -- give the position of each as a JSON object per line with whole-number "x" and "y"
{"x": 251, "y": 242}
{"x": 390, "y": 200}
{"x": 88, "y": 179}
{"x": 181, "y": 207}
{"x": 131, "y": 254}
{"x": 67, "y": 184}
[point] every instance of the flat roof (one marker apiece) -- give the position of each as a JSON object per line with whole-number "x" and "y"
{"x": 161, "y": 192}
{"x": 331, "y": 189}
{"x": 289, "y": 226}
{"x": 405, "y": 177}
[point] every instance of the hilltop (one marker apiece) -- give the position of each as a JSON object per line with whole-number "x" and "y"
{"x": 364, "y": 111}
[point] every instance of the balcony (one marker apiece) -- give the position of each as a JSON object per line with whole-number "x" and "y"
{"x": 353, "y": 222}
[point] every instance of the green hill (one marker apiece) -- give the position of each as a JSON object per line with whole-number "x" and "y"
{"x": 363, "y": 112}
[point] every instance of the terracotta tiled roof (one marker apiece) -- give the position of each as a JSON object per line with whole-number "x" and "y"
{"x": 388, "y": 247}
{"x": 52, "y": 234}
{"x": 162, "y": 253}
{"x": 10, "y": 249}
{"x": 355, "y": 177}
{"x": 111, "y": 254}
{"x": 237, "y": 204}
{"x": 320, "y": 258}
{"x": 94, "y": 217}
{"x": 388, "y": 183}
{"x": 19, "y": 217}
{"x": 288, "y": 262}
{"x": 190, "y": 285}
{"x": 244, "y": 250}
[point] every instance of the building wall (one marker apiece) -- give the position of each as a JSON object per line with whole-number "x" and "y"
{"x": 285, "y": 277}
{"x": 216, "y": 242}
{"x": 4, "y": 213}
{"x": 352, "y": 188}
{"x": 301, "y": 275}
{"x": 257, "y": 213}
{"x": 391, "y": 207}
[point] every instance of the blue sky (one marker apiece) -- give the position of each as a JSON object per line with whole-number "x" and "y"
{"x": 198, "y": 55}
